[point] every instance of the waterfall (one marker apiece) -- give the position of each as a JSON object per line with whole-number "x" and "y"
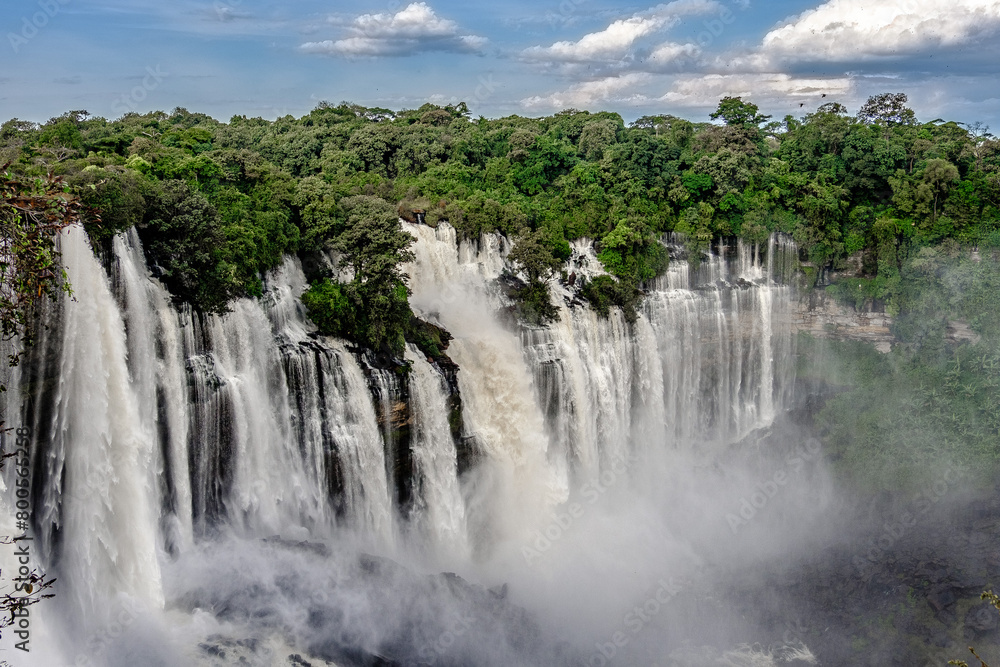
{"x": 156, "y": 367}
{"x": 707, "y": 361}
{"x": 451, "y": 285}
{"x": 439, "y": 508}
{"x": 96, "y": 449}
{"x": 349, "y": 414}
{"x": 161, "y": 431}
{"x": 287, "y": 440}
{"x": 154, "y": 424}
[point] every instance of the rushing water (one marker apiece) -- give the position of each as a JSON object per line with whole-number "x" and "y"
{"x": 161, "y": 434}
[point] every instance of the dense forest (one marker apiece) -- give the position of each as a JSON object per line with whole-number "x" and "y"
{"x": 899, "y": 209}
{"x": 217, "y": 204}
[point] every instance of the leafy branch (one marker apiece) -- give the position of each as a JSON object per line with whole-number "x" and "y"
{"x": 31, "y": 216}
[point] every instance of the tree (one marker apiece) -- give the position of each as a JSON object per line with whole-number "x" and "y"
{"x": 734, "y": 111}
{"x": 596, "y": 136}
{"x": 980, "y": 135}
{"x": 532, "y": 254}
{"x": 182, "y": 235}
{"x": 887, "y": 109}
{"x": 695, "y": 224}
{"x": 546, "y": 159}
{"x": 657, "y": 124}
{"x": 373, "y": 244}
{"x": 319, "y": 213}
{"x": 372, "y": 308}
{"x": 938, "y": 176}
{"x": 115, "y": 195}
{"x": 632, "y": 253}
{"x": 31, "y": 215}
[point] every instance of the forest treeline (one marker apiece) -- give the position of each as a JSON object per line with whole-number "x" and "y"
{"x": 217, "y": 204}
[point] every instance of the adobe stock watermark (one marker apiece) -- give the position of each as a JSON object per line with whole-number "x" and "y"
{"x": 456, "y": 627}
{"x": 101, "y": 641}
{"x": 31, "y": 25}
{"x": 226, "y": 10}
{"x": 751, "y": 505}
{"x": 567, "y": 8}
{"x": 713, "y": 29}
{"x": 563, "y": 520}
{"x": 634, "y": 621}
{"x": 129, "y": 101}
{"x": 895, "y": 529}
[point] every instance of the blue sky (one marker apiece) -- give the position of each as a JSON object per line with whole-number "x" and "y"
{"x": 529, "y": 57}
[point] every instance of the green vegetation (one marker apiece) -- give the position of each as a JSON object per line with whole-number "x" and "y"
{"x": 931, "y": 402}
{"x": 372, "y": 308}
{"x": 604, "y": 291}
{"x": 217, "y": 203}
{"x": 32, "y": 213}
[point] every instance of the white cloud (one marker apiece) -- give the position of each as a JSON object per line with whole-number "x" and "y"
{"x": 615, "y": 42}
{"x": 769, "y": 91}
{"x": 612, "y": 43}
{"x": 413, "y": 29}
{"x": 620, "y": 89}
{"x": 763, "y": 89}
{"x": 859, "y": 30}
{"x": 669, "y": 52}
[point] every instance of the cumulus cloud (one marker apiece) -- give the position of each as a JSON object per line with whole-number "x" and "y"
{"x": 775, "y": 89}
{"x": 670, "y": 52}
{"x": 841, "y": 50}
{"x": 615, "y": 42}
{"x": 696, "y": 91}
{"x": 612, "y": 43}
{"x": 860, "y": 30}
{"x": 414, "y": 29}
{"x": 618, "y": 89}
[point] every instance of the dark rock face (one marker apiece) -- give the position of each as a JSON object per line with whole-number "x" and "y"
{"x": 388, "y": 381}
{"x": 916, "y": 603}
{"x": 941, "y": 597}
{"x": 390, "y": 391}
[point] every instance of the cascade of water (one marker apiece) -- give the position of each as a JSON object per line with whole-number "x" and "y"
{"x": 708, "y": 360}
{"x": 357, "y": 439}
{"x": 286, "y": 437}
{"x": 332, "y": 413}
{"x": 99, "y": 449}
{"x": 438, "y": 508}
{"x": 156, "y": 367}
{"x": 592, "y": 409}
{"x": 389, "y": 404}
{"x": 449, "y": 283}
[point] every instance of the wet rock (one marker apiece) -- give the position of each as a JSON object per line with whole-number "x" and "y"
{"x": 941, "y": 597}
{"x": 982, "y": 619}
{"x": 317, "y": 548}
{"x": 941, "y": 639}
